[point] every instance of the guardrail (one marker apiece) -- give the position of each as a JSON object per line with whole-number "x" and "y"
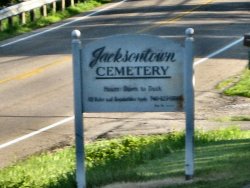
{"x": 22, "y": 9}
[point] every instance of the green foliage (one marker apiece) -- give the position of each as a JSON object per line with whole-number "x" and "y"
{"x": 133, "y": 149}
{"x": 40, "y": 171}
{"x": 239, "y": 88}
{"x": 217, "y": 135}
{"x": 41, "y": 21}
{"x": 109, "y": 160}
{"x": 112, "y": 160}
{"x": 242, "y": 87}
{"x": 227, "y": 83}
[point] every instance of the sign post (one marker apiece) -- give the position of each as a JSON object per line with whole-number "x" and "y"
{"x": 79, "y": 136}
{"x": 189, "y": 104}
{"x": 133, "y": 73}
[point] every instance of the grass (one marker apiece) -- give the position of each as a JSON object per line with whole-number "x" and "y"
{"x": 219, "y": 154}
{"x": 236, "y": 87}
{"x": 227, "y": 83}
{"x": 232, "y": 118}
{"x": 18, "y": 29}
{"x": 219, "y": 164}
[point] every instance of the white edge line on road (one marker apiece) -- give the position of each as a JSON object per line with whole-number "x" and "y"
{"x": 218, "y": 51}
{"x": 66, "y": 120}
{"x": 62, "y": 25}
{"x": 71, "y": 118}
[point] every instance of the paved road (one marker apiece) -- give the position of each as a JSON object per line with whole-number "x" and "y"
{"x": 36, "y": 73}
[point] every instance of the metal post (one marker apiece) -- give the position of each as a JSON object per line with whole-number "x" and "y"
{"x": 79, "y": 138}
{"x": 54, "y": 7}
{"x": 44, "y": 10}
{"x": 63, "y": 5}
{"x": 189, "y": 104}
{"x": 23, "y": 18}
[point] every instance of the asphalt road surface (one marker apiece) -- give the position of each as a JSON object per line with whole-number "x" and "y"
{"x": 36, "y": 71}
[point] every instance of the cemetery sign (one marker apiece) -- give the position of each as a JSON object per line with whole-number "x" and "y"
{"x": 132, "y": 73}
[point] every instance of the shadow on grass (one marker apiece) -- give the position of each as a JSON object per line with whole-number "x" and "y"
{"x": 221, "y": 164}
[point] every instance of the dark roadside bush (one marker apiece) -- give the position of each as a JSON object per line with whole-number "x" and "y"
{"x": 5, "y": 3}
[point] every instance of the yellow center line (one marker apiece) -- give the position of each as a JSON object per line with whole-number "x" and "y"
{"x": 176, "y": 18}
{"x": 34, "y": 71}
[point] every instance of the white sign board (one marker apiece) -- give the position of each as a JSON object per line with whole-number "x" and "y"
{"x": 132, "y": 73}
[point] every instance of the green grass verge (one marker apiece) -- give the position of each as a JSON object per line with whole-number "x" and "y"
{"x": 234, "y": 86}
{"x": 221, "y": 164}
{"x": 18, "y": 29}
{"x": 223, "y": 152}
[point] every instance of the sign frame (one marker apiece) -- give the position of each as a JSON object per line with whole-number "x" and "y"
{"x": 188, "y": 91}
